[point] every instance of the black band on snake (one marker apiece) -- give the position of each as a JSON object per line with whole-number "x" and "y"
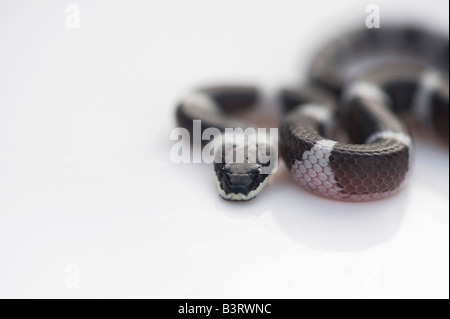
{"x": 400, "y": 72}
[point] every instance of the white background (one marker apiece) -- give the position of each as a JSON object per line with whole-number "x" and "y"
{"x": 88, "y": 191}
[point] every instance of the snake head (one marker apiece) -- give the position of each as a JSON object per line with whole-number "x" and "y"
{"x": 241, "y": 180}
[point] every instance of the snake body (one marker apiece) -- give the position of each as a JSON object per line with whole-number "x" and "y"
{"x": 401, "y": 71}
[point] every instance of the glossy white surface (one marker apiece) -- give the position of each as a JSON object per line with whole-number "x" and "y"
{"x": 88, "y": 192}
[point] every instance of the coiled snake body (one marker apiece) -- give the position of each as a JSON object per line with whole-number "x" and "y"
{"x": 401, "y": 71}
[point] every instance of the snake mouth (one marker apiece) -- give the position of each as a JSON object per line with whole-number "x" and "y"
{"x": 239, "y": 181}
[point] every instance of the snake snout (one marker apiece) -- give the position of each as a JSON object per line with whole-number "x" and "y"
{"x": 239, "y": 181}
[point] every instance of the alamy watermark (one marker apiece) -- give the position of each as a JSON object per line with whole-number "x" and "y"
{"x": 73, "y": 16}
{"x": 73, "y": 276}
{"x": 373, "y": 17}
{"x": 233, "y": 145}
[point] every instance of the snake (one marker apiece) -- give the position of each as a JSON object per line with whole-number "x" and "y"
{"x": 368, "y": 83}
